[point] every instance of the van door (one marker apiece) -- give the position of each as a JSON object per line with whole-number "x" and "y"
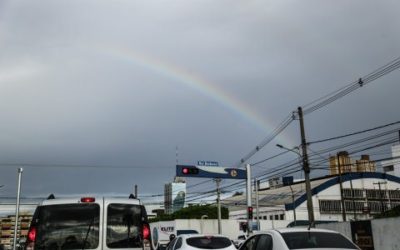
{"x": 122, "y": 225}
{"x": 67, "y": 226}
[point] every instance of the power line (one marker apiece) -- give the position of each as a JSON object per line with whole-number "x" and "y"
{"x": 327, "y": 99}
{"x": 354, "y": 133}
{"x": 324, "y": 101}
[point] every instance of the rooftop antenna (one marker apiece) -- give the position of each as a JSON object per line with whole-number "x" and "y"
{"x": 176, "y": 155}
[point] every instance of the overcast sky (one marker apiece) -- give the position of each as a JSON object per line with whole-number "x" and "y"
{"x": 96, "y": 95}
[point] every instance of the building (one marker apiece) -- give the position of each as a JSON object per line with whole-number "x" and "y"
{"x": 7, "y": 225}
{"x": 365, "y": 194}
{"x": 393, "y": 166}
{"x": 174, "y": 195}
{"x": 345, "y": 164}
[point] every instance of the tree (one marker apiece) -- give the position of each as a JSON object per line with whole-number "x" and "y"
{"x": 195, "y": 212}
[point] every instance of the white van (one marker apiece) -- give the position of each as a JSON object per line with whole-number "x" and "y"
{"x": 89, "y": 223}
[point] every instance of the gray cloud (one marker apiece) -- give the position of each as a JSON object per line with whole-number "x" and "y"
{"x": 97, "y": 83}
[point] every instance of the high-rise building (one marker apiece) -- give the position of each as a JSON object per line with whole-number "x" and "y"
{"x": 174, "y": 195}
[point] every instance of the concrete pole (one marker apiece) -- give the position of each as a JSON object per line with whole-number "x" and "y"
{"x": 136, "y": 192}
{"x": 341, "y": 188}
{"x": 257, "y": 187}
{"x": 248, "y": 195}
{"x": 306, "y": 169}
{"x": 294, "y": 207}
{"x": 17, "y": 208}
{"x": 353, "y": 198}
{"x": 218, "y": 181}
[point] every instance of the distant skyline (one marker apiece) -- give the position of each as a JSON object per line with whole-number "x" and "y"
{"x": 96, "y": 95}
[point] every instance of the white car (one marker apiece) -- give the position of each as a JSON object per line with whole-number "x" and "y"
{"x": 240, "y": 239}
{"x": 199, "y": 241}
{"x": 297, "y": 238}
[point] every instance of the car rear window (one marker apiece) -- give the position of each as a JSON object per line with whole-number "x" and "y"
{"x": 186, "y": 231}
{"x": 124, "y": 225}
{"x": 301, "y": 240}
{"x": 211, "y": 242}
{"x": 67, "y": 226}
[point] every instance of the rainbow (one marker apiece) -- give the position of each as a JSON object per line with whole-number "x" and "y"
{"x": 198, "y": 84}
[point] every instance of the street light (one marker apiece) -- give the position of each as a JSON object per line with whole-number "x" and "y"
{"x": 294, "y": 150}
{"x": 306, "y": 170}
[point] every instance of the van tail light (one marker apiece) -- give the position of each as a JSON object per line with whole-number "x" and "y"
{"x": 146, "y": 232}
{"x": 146, "y": 236}
{"x": 88, "y": 199}
{"x": 31, "y": 239}
{"x": 32, "y": 234}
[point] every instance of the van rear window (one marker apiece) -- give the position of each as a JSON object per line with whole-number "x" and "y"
{"x": 124, "y": 226}
{"x": 67, "y": 226}
{"x": 210, "y": 242}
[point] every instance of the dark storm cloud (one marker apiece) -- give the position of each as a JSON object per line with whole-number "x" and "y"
{"x": 68, "y": 99}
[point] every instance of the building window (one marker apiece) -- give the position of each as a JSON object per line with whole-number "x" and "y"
{"x": 375, "y": 194}
{"x": 330, "y": 206}
{"x": 348, "y": 193}
{"x": 265, "y": 217}
{"x": 388, "y": 168}
{"x": 394, "y": 194}
{"x": 271, "y": 217}
{"x": 282, "y": 217}
{"x": 276, "y": 217}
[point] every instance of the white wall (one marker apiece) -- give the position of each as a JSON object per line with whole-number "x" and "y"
{"x": 386, "y": 233}
{"x": 342, "y": 227}
{"x": 230, "y": 228}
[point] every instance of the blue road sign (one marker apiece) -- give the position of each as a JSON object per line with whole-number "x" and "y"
{"x": 210, "y": 172}
{"x": 208, "y": 163}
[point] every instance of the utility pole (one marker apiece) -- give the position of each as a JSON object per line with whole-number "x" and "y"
{"x": 257, "y": 187}
{"x": 353, "y": 198}
{"x": 20, "y": 170}
{"x": 136, "y": 192}
{"x": 248, "y": 196}
{"x": 218, "y": 181}
{"x": 294, "y": 207}
{"x": 306, "y": 169}
{"x": 379, "y": 183}
{"x": 341, "y": 187}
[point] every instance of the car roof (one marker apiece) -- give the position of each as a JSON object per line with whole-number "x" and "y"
{"x": 98, "y": 200}
{"x": 304, "y": 229}
{"x": 201, "y": 235}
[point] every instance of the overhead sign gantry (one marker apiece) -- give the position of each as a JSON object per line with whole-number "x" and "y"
{"x": 210, "y": 172}
{"x": 217, "y": 173}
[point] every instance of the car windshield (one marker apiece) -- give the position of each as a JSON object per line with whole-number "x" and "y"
{"x": 123, "y": 226}
{"x": 68, "y": 226}
{"x": 303, "y": 240}
{"x": 211, "y": 242}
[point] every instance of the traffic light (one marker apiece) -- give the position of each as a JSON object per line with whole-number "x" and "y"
{"x": 190, "y": 170}
{"x": 250, "y": 213}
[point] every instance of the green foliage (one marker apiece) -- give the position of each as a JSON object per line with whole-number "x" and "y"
{"x": 394, "y": 212}
{"x": 194, "y": 212}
